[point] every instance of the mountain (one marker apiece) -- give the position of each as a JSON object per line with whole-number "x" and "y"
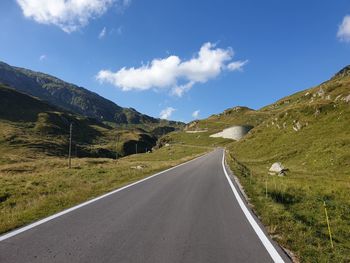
{"x": 73, "y": 98}
{"x": 31, "y": 127}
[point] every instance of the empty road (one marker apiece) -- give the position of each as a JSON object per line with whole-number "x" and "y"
{"x": 187, "y": 214}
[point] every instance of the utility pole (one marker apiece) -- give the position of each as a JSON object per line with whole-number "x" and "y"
{"x": 116, "y": 146}
{"x": 70, "y": 146}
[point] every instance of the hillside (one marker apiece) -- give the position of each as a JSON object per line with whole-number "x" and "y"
{"x": 72, "y": 98}
{"x": 234, "y": 116}
{"x": 310, "y": 122}
{"x": 309, "y": 133}
{"x": 31, "y": 128}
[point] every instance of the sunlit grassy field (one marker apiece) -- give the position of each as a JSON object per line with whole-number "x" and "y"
{"x": 317, "y": 155}
{"x": 292, "y": 208}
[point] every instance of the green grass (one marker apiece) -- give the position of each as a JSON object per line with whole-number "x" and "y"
{"x": 44, "y": 129}
{"x": 230, "y": 117}
{"x": 318, "y": 159}
{"x": 293, "y": 210}
{"x": 201, "y": 139}
{"x": 35, "y": 188}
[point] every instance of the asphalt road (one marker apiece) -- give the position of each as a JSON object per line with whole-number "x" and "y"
{"x": 187, "y": 214}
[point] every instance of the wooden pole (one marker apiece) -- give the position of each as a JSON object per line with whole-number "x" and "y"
{"x": 70, "y": 146}
{"x": 116, "y": 147}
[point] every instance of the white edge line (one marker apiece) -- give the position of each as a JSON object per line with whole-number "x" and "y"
{"x": 276, "y": 257}
{"x": 47, "y": 219}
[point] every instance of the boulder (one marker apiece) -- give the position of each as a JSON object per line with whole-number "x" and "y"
{"x": 347, "y": 99}
{"x": 277, "y": 168}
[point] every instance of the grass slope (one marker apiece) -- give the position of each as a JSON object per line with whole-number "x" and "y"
{"x": 235, "y": 116}
{"x": 197, "y": 132}
{"x": 309, "y": 133}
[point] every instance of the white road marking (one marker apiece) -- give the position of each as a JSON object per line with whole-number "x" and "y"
{"x": 42, "y": 221}
{"x": 263, "y": 238}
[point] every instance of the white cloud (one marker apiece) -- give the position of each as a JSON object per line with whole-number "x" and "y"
{"x": 69, "y": 15}
{"x": 344, "y": 29}
{"x": 236, "y": 65}
{"x": 42, "y": 57}
{"x": 102, "y": 33}
{"x": 171, "y": 72}
{"x": 166, "y": 113}
{"x": 195, "y": 114}
{"x": 181, "y": 89}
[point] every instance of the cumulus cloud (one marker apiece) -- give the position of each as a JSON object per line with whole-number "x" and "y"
{"x": 344, "y": 29}
{"x": 69, "y": 15}
{"x": 195, "y": 114}
{"x": 102, "y": 33}
{"x": 166, "y": 113}
{"x": 174, "y": 73}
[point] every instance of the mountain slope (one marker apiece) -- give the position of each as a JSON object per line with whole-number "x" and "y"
{"x": 234, "y": 116}
{"x": 299, "y": 121}
{"x": 71, "y": 97}
{"x": 31, "y": 128}
{"x": 309, "y": 133}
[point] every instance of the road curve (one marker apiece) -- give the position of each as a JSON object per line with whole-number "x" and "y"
{"x": 187, "y": 214}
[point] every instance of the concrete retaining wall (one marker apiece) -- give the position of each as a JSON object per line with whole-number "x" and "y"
{"x": 234, "y": 132}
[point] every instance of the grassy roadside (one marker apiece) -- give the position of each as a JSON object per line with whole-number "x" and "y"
{"x": 292, "y": 209}
{"x": 30, "y": 190}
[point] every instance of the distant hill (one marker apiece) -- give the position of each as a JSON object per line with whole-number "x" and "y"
{"x": 72, "y": 98}
{"x": 238, "y": 115}
{"x": 31, "y": 127}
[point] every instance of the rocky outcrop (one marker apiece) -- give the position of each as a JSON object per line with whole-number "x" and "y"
{"x": 343, "y": 73}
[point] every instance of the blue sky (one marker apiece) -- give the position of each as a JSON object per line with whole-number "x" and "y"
{"x": 253, "y": 52}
